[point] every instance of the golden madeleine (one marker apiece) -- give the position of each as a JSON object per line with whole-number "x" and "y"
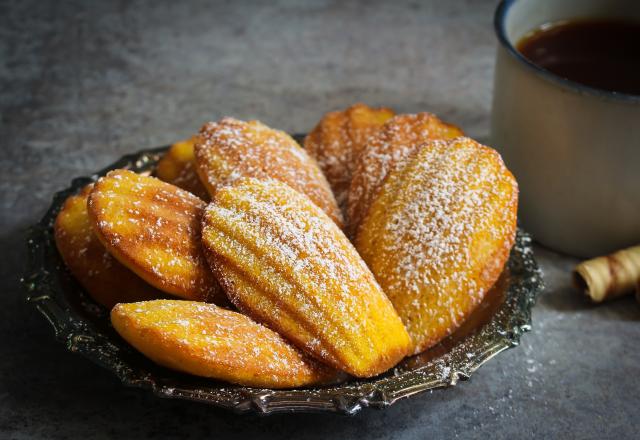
{"x": 106, "y": 280}
{"x": 439, "y": 233}
{"x": 283, "y": 261}
{"x": 209, "y": 341}
{"x": 153, "y": 228}
{"x": 231, "y": 149}
{"x": 338, "y": 139}
{"x": 396, "y": 140}
{"x": 177, "y": 166}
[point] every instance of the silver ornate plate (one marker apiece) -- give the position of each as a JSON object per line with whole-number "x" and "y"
{"x": 84, "y": 327}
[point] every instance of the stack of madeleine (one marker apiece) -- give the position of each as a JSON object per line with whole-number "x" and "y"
{"x": 252, "y": 260}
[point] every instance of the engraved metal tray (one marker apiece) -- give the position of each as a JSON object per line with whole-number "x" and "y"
{"x": 84, "y": 327}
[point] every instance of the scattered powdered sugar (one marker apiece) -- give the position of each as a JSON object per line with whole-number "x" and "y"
{"x": 232, "y": 149}
{"x": 103, "y": 277}
{"x": 398, "y": 138}
{"x": 156, "y": 226}
{"x": 218, "y": 340}
{"x": 438, "y": 222}
{"x": 303, "y": 263}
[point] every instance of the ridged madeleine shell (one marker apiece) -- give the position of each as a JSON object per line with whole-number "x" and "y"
{"x": 439, "y": 233}
{"x": 153, "y": 228}
{"x": 231, "y": 149}
{"x": 209, "y": 341}
{"x": 396, "y": 140}
{"x": 338, "y": 139}
{"x": 283, "y": 261}
{"x": 104, "y": 278}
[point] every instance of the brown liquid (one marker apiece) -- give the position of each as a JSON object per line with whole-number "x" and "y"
{"x": 604, "y": 54}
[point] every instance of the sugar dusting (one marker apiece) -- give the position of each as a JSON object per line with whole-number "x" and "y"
{"x": 232, "y": 149}
{"x": 435, "y": 231}
{"x": 386, "y": 150}
{"x": 301, "y": 260}
{"x": 188, "y": 180}
{"x": 156, "y": 227}
{"x": 348, "y": 396}
{"x": 75, "y": 238}
{"x": 221, "y": 342}
{"x": 103, "y": 277}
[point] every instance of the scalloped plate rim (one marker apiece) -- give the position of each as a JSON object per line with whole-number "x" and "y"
{"x": 261, "y": 401}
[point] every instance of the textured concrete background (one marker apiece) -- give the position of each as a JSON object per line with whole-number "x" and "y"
{"x": 83, "y": 83}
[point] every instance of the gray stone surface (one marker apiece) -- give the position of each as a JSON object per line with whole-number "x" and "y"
{"x": 84, "y": 82}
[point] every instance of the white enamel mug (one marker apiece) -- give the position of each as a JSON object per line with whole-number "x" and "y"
{"x": 574, "y": 150}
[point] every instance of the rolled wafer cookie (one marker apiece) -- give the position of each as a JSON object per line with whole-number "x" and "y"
{"x": 610, "y": 276}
